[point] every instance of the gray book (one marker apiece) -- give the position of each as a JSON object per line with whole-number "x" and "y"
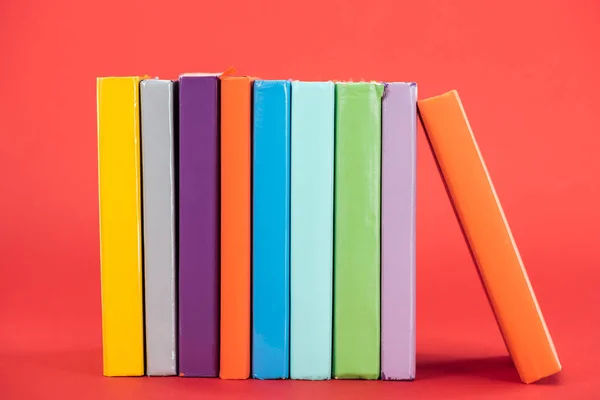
{"x": 158, "y": 124}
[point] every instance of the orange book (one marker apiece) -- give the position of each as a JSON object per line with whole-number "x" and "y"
{"x": 489, "y": 237}
{"x": 235, "y": 226}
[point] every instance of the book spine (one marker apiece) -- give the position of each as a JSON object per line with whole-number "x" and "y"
{"x": 199, "y": 226}
{"x": 158, "y": 113}
{"x": 488, "y": 235}
{"x": 236, "y": 159}
{"x": 398, "y": 239}
{"x": 357, "y": 231}
{"x": 311, "y": 263}
{"x": 271, "y": 230}
{"x": 120, "y": 226}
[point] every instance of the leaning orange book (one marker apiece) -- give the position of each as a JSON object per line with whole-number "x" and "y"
{"x": 236, "y": 107}
{"x": 489, "y": 237}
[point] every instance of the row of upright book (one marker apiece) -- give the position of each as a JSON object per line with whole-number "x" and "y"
{"x": 266, "y": 228}
{"x": 257, "y": 228}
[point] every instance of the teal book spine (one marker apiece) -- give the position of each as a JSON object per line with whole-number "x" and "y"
{"x": 311, "y": 259}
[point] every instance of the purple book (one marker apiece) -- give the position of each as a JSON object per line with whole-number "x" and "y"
{"x": 399, "y": 131}
{"x": 198, "y": 225}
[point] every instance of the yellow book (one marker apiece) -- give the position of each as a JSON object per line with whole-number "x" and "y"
{"x": 120, "y": 225}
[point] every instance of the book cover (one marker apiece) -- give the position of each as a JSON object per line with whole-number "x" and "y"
{"x": 398, "y": 236}
{"x": 357, "y": 240}
{"x": 119, "y": 178}
{"x": 236, "y": 189}
{"x": 489, "y": 237}
{"x": 199, "y": 225}
{"x": 271, "y": 230}
{"x": 311, "y": 257}
{"x": 158, "y": 123}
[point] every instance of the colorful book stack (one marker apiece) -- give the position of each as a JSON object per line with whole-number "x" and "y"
{"x": 266, "y": 228}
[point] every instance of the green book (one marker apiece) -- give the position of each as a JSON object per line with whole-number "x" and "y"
{"x": 356, "y": 326}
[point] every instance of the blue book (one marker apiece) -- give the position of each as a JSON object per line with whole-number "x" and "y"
{"x": 311, "y": 258}
{"x": 271, "y": 230}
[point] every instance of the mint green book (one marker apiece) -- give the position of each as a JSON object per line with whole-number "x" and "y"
{"x": 311, "y": 264}
{"x": 357, "y": 239}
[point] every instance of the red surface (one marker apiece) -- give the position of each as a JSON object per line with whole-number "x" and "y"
{"x": 527, "y": 73}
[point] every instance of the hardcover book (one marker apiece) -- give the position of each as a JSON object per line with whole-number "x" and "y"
{"x": 199, "y": 225}
{"x": 119, "y": 175}
{"x": 271, "y": 230}
{"x": 489, "y": 237}
{"x": 311, "y": 265}
{"x": 236, "y": 189}
{"x": 356, "y": 317}
{"x": 159, "y": 129}
{"x": 398, "y": 236}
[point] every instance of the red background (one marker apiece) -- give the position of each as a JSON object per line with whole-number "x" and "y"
{"x": 527, "y": 72}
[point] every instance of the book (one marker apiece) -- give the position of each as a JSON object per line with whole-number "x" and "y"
{"x": 398, "y": 236}
{"x": 311, "y": 218}
{"x": 489, "y": 237}
{"x": 357, "y": 240}
{"x": 236, "y": 189}
{"x": 271, "y": 230}
{"x": 119, "y": 178}
{"x": 199, "y": 225}
{"x": 158, "y": 99}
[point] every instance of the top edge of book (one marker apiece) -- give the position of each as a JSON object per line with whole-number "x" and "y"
{"x": 139, "y": 77}
{"x": 450, "y": 93}
{"x": 394, "y": 83}
{"x": 200, "y": 75}
{"x": 267, "y": 83}
{"x": 239, "y": 77}
{"x": 146, "y": 80}
{"x": 275, "y": 80}
{"x": 296, "y": 82}
{"x": 303, "y": 81}
{"x": 359, "y": 83}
